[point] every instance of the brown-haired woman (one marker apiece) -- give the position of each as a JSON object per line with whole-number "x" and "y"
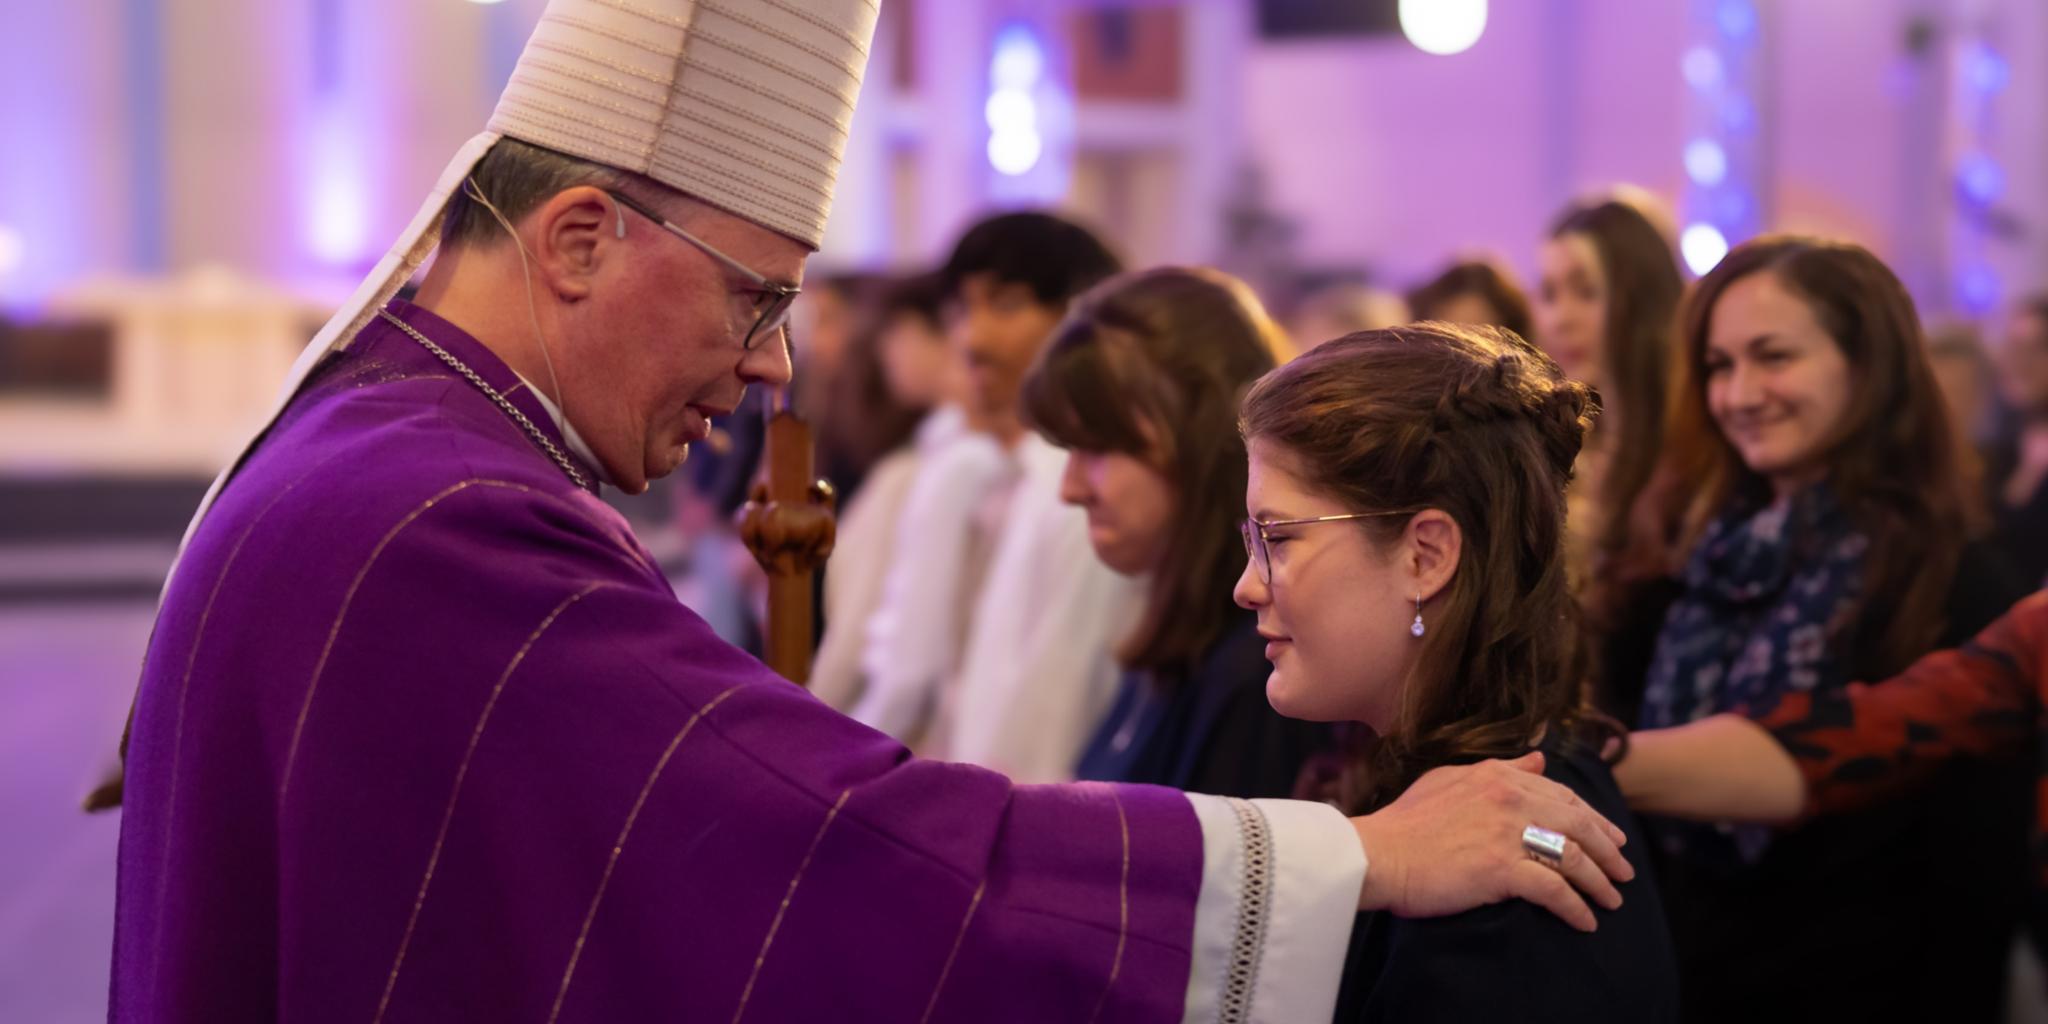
{"x": 1140, "y": 384}
{"x": 1605, "y": 303}
{"x": 1406, "y": 494}
{"x": 1473, "y": 291}
{"x": 1827, "y": 541}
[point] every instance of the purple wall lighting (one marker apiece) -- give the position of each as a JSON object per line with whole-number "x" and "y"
{"x": 1725, "y": 154}
{"x": 57, "y": 145}
{"x": 1982, "y": 74}
{"x": 1016, "y": 74}
{"x": 337, "y": 204}
{"x": 1030, "y": 116}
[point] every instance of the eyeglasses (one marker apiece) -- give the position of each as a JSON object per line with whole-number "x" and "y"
{"x": 1257, "y": 546}
{"x": 771, "y": 300}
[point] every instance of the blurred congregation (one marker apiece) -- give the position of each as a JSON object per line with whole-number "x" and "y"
{"x": 1797, "y": 254}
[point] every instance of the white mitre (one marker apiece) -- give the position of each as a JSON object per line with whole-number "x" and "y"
{"x": 743, "y": 104}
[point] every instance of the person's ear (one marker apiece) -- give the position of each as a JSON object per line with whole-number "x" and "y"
{"x": 573, "y": 232}
{"x": 1434, "y": 545}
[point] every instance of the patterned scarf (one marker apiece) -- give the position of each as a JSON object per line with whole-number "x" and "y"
{"x": 1767, "y": 592}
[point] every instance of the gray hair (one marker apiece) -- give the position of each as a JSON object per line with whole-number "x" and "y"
{"x": 518, "y": 177}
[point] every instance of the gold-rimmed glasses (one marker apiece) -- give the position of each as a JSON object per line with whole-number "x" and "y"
{"x": 1258, "y": 546}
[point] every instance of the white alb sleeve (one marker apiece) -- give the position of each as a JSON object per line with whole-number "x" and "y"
{"x": 1280, "y": 885}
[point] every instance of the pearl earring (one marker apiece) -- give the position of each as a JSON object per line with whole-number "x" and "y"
{"x": 1417, "y": 629}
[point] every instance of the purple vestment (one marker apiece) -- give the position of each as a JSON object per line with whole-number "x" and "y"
{"x": 423, "y": 735}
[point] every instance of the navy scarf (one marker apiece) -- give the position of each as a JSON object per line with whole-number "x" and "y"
{"x": 1768, "y": 593}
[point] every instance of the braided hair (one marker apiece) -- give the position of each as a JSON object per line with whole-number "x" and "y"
{"x": 1480, "y": 424}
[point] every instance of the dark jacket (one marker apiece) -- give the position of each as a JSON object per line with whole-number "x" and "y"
{"x": 1210, "y": 731}
{"x": 1515, "y": 961}
{"x": 2019, "y": 532}
{"x": 1904, "y": 911}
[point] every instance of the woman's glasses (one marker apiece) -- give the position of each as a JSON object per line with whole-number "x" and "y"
{"x": 1258, "y": 546}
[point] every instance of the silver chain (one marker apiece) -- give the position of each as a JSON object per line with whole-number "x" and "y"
{"x": 504, "y": 403}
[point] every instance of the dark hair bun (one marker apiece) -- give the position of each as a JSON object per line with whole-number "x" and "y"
{"x": 1518, "y": 386}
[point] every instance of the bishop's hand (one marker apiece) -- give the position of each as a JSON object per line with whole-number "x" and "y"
{"x": 1453, "y": 842}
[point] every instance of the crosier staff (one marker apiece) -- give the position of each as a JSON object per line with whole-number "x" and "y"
{"x": 788, "y": 524}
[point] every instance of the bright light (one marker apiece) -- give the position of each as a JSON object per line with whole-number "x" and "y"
{"x": 1015, "y": 71}
{"x": 486, "y": 2}
{"x": 337, "y": 234}
{"x": 1702, "y": 68}
{"x": 1703, "y": 246}
{"x": 1014, "y": 152}
{"x": 1706, "y": 161}
{"x": 1011, "y": 110}
{"x": 1443, "y": 27}
{"x": 1019, "y": 60}
{"x": 13, "y": 250}
{"x": 337, "y": 201}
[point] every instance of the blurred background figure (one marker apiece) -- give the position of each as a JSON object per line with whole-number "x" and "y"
{"x": 1474, "y": 291}
{"x": 859, "y": 414}
{"x": 1140, "y": 386}
{"x": 1336, "y": 310}
{"x": 2018, "y": 471}
{"x": 903, "y": 388}
{"x": 993, "y": 638}
{"x": 1605, "y": 300}
{"x": 1968, "y": 381}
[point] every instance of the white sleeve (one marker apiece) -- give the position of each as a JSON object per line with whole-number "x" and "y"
{"x": 1280, "y": 884}
{"x": 913, "y": 634}
{"x": 854, "y": 575}
{"x": 1040, "y": 671}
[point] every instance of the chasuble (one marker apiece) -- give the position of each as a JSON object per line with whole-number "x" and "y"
{"x": 423, "y": 735}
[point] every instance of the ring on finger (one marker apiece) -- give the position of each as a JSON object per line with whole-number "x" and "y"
{"x": 1544, "y": 846}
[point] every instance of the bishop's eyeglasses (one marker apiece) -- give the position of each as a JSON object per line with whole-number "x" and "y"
{"x": 771, "y": 300}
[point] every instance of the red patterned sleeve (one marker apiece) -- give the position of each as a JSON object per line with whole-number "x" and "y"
{"x": 1861, "y": 744}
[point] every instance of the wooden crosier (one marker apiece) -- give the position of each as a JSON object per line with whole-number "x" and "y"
{"x": 789, "y": 527}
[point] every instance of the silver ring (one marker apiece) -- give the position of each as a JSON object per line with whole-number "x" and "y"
{"x": 1544, "y": 845}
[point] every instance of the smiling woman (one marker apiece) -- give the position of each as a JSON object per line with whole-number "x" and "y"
{"x": 1805, "y": 376}
{"x": 1827, "y": 540}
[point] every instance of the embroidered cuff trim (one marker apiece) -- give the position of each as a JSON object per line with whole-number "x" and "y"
{"x": 1253, "y": 909}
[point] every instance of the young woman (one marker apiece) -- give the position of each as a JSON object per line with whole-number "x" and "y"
{"x": 1406, "y": 495}
{"x": 1140, "y": 385}
{"x": 1605, "y": 303}
{"x": 1825, "y": 541}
